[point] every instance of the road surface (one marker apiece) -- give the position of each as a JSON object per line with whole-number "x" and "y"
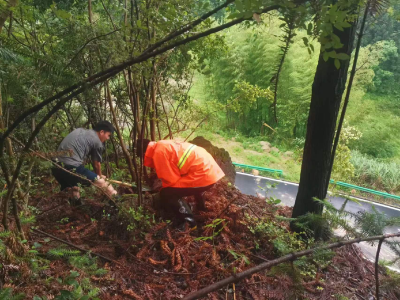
{"x": 287, "y": 191}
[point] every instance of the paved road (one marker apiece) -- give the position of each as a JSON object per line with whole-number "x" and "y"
{"x": 287, "y": 191}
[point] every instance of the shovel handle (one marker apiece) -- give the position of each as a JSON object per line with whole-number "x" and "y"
{"x": 144, "y": 188}
{"x": 120, "y": 182}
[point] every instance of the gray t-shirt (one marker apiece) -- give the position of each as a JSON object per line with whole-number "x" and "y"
{"x": 82, "y": 142}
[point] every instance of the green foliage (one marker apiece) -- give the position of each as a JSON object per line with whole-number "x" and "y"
{"x": 247, "y": 96}
{"x": 87, "y": 264}
{"x": 137, "y": 218}
{"x": 239, "y": 256}
{"x": 217, "y": 225}
{"x": 78, "y": 292}
{"x": 5, "y": 234}
{"x": 374, "y": 223}
{"x": 27, "y": 219}
{"x": 284, "y": 241}
{"x": 343, "y": 169}
{"x": 7, "y": 294}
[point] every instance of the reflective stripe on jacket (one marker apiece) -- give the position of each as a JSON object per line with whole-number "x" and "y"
{"x": 182, "y": 165}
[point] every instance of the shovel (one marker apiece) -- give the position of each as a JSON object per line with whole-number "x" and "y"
{"x": 144, "y": 188}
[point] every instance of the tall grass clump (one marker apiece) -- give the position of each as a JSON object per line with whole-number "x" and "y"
{"x": 379, "y": 174}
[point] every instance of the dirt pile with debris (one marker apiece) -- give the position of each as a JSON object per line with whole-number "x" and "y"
{"x": 162, "y": 262}
{"x": 220, "y": 155}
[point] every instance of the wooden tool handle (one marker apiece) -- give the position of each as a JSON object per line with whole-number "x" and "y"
{"x": 120, "y": 182}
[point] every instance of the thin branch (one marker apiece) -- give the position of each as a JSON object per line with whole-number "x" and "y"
{"x": 87, "y": 42}
{"x": 194, "y": 129}
{"x": 109, "y": 15}
{"x": 377, "y": 268}
{"x": 187, "y": 27}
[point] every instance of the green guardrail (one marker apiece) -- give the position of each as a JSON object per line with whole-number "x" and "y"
{"x": 363, "y": 189}
{"x": 279, "y": 172}
{"x": 339, "y": 183}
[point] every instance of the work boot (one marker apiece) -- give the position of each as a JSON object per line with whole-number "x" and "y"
{"x": 185, "y": 213}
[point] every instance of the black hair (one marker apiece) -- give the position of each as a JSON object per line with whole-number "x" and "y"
{"x": 139, "y": 142}
{"x": 104, "y": 125}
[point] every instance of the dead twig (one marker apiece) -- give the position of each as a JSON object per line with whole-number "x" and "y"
{"x": 377, "y": 268}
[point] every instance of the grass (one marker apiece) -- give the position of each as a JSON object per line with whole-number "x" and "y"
{"x": 380, "y": 175}
{"x": 377, "y": 117}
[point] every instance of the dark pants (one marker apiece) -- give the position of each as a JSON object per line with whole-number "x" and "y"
{"x": 67, "y": 180}
{"x": 171, "y": 199}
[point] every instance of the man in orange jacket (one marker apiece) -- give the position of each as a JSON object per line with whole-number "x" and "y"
{"x": 184, "y": 169}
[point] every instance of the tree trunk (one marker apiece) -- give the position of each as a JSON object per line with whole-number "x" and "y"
{"x": 153, "y": 105}
{"x": 153, "y": 112}
{"x": 90, "y": 11}
{"x": 347, "y": 98}
{"x": 6, "y": 12}
{"x": 327, "y": 90}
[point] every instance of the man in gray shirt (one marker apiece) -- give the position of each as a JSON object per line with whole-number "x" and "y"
{"x": 82, "y": 143}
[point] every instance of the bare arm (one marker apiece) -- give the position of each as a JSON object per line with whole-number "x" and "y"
{"x": 97, "y": 167}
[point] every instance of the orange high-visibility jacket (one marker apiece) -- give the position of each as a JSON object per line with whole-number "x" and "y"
{"x": 182, "y": 165}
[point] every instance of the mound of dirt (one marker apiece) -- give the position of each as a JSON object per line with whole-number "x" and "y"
{"x": 220, "y": 155}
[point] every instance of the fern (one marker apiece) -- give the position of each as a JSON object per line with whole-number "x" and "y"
{"x": 7, "y": 55}
{"x": 87, "y": 264}
{"x": 27, "y": 220}
{"x": 371, "y": 223}
{"x": 62, "y": 253}
{"x": 378, "y": 7}
{"x": 5, "y": 234}
{"x": 93, "y": 293}
{"x": 7, "y": 294}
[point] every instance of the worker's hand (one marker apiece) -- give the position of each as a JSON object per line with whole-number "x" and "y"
{"x": 103, "y": 177}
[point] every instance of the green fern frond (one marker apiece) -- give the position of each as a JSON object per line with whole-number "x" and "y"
{"x": 5, "y": 234}
{"x": 63, "y": 253}
{"x": 377, "y": 7}
{"x": 7, "y": 55}
{"x": 93, "y": 293}
{"x": 100, "y": 272}
{"x": 7, "y": 293}
{"x": 87, "y": 264}
{"x": 27, "y": 220}
{"x": 371, "y": 224}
